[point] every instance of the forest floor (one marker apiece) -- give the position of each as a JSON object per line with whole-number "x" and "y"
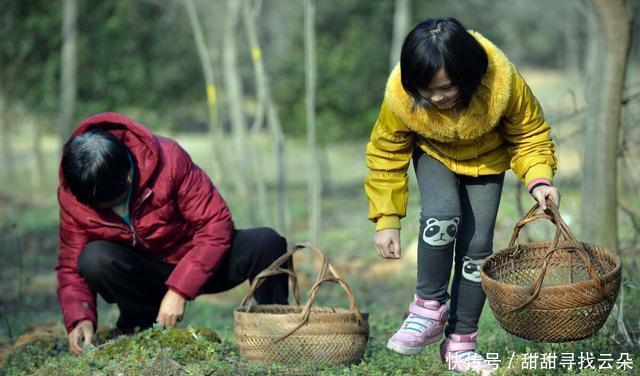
{"x": 31, "y": 334}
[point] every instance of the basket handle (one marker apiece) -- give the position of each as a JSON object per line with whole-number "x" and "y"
{"x": 562, "y": 229}
{"x": 529, "y": 217}
{"x": 321, "y": 278}
{"x": 306, "y": 311}
{"x": 274, "y": 269}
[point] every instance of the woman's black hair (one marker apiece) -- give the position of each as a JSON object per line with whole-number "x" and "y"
{"x": 439, "y": 42}
{"x": 96, "y": 167}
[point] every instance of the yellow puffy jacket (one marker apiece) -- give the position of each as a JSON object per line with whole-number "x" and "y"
{"x": 503, "y": 127}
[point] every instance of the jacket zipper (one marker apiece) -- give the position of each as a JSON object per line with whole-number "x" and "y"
{"x": 133, "y": 230}
{"x": 129, "y": 227}
{"x": 145, "y": 197}
{"x": 133, "y": 235}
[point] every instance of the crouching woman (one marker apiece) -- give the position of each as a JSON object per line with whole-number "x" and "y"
{"x": 144, "y": 227}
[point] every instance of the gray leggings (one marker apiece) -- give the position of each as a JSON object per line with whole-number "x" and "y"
{"x": 456, "y": 210}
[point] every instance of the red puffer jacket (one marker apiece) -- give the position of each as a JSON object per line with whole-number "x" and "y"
{"x": 176, "y": 214}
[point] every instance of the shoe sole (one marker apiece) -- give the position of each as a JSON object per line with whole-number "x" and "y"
{"x": 405, "y": 350}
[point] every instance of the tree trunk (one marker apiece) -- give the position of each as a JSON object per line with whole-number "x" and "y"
{"x": 257, "y": 171}
{"x": 38, "y": 170}
{"x": 573, "y": 40}
{"x": 215, "y": 126}
{"x": 315, "y": 189}
{"x": 265, "y": 104}
{"x": 276, "y": 129}
{"x": 593, "y": 60}
{"x": 257, "y": 164}
{"x": 248, "y": 21}
{"x": 6, "y": 152}
{"x": 233, "y": 86}
{"x": 599, "y": 191}
{"x": 68, "y": 69}
{"x": 400, "y": 28}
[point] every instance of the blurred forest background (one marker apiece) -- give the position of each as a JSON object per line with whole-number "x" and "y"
{"x": 275, "y": 99}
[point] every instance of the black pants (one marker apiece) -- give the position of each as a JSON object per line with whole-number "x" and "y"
{"x": 135, "y": 281}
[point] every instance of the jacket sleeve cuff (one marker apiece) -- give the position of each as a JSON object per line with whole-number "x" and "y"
{"x": 187, "y": 279}
{"x": 71, "y": 322}
{"x": 388, "y": 221}
{"x": 536, "y": 183}
{"x": 539, "y": 171}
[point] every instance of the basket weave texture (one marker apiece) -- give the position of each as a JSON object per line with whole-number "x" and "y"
{"x": 287, "y": 334}
{"x": 556, "y": 291}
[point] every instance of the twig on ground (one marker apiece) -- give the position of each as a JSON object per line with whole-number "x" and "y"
{"x": 632, "y": 216}
{"x": 618, "y": 312}
{"x": 8, "y": 324}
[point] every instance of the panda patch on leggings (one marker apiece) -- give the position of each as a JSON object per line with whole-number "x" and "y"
{"x": 440, "y": 232}
{"x": 471, "y": 269}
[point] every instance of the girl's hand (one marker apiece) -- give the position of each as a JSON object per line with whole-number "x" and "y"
{"x": 542, "y": 192}
{"x": 387, "y": 243}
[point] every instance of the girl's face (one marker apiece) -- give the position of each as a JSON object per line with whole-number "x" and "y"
{"x": 441, "y": 92}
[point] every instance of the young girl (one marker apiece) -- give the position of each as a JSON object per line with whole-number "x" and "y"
{"x": 458, "y": 107}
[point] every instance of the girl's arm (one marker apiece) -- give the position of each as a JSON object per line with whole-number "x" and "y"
{"x": 387, "y": 156}
{"x": 531, "y": 150}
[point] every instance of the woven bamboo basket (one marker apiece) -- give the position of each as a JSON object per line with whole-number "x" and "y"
{"x": 556, "y": 291}
{"x": 288, "y": 334}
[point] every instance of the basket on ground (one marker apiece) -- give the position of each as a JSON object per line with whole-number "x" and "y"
{"x": 556, "y": 291}
{"x": 269, "y": 334}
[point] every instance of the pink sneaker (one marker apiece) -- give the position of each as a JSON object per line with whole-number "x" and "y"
{"x": 423, "y": 326}
{"x": 458, "y": 351}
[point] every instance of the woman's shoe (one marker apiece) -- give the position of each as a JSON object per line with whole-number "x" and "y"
{"x": 458, "y": 351}
{"x": 423, "y": 326}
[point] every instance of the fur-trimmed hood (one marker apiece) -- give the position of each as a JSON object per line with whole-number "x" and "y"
{"x": 484, "y": 112}
{"x": 503, "y": 127}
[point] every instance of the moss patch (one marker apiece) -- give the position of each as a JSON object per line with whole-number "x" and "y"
{"x": 167, "y": 350}
{"x": 26, "y": 359}
{"x": 186, "y": 345}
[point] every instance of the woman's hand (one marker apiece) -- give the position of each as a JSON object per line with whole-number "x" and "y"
{"x": 542, "y": 192}
{"x": 387, "y": 243}
{"x": 83, "y": 331}
{"x": 171, "y": 309}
